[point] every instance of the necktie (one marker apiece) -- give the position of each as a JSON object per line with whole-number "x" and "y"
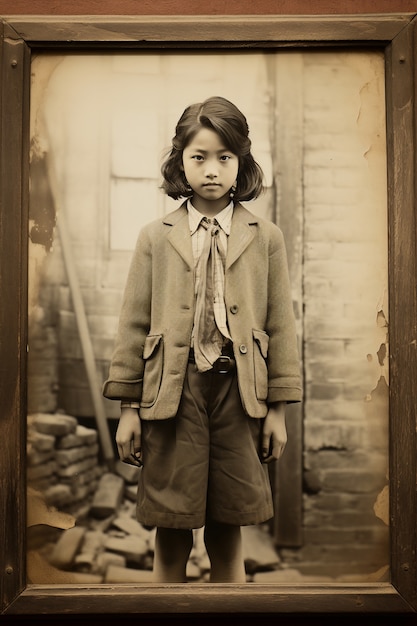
{"x": 208, "y": 340}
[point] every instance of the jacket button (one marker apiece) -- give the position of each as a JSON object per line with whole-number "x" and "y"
{"x": 234, "y": 309}
{"x": 243, "y": 349}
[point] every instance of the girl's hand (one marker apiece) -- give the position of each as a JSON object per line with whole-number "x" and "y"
{"x": 274, "y": 437}
{"x": 128, "y": 437}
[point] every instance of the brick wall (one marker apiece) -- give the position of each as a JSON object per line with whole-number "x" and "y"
{"x": 345, "y": 332}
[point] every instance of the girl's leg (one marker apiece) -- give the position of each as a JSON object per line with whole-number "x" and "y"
{"x": 172, "y": 549}
{"x": 224, "y": 548}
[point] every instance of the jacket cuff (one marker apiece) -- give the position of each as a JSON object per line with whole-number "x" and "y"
{"x": 126, "y": 391}
{"x": 284, "y": 394}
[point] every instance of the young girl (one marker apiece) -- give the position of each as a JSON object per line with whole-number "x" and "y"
{"x": 206, "y": 355}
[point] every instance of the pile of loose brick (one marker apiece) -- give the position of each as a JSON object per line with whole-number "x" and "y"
{"x": 106, "y": 543}
{"x": 62, "y": 460}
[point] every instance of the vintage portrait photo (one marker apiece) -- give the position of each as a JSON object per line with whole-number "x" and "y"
{"x": 258, "y": 455}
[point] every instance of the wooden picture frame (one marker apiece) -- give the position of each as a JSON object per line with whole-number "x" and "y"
{"x": 20, "y": 38}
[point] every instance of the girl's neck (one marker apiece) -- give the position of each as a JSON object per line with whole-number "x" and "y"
{"x": 209, "y": 209}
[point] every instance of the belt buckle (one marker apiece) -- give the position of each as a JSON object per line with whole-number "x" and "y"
{"x": 223, "y": 365}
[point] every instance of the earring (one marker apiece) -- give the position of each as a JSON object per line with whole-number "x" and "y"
{"x": 233, "y": 190}
{"x": 187, "y": 186}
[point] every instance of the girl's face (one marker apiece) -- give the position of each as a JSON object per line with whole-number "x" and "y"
{"x": 211, "y": 170}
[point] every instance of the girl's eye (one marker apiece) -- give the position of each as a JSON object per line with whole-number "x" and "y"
{"x": 197, "y": 157}
{"x": 225, "y": 157}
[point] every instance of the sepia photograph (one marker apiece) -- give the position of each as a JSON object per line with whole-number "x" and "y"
{"x": 101, "y": 128}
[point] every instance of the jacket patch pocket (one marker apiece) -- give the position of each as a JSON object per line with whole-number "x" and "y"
{"x": 260, "y": 353}
{"x": 153, "y": 355}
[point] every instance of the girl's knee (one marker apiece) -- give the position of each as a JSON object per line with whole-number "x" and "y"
{"x": 172, "y": 543}
{"x": 221, "y": 538}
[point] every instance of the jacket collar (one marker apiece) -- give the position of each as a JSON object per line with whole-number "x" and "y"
{"x": 241, "y": 233}
{"x": 179, "y": 234}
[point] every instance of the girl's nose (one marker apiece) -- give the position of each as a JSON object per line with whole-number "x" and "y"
{"x": 211, "y": 170}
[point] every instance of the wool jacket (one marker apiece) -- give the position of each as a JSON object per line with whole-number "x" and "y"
{"x": 156, "y": 320}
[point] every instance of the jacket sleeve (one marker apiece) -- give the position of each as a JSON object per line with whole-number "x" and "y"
{"x": 127, "y": 365}
{"x": 284, "y": 375}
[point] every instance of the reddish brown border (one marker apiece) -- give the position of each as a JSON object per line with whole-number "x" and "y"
{"x": 214, "y": 7}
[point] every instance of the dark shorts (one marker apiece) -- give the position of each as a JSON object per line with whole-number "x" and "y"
{"x": 205, "y": 462}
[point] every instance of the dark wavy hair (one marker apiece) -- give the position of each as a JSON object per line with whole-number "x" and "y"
{"x": 224, "y": 118}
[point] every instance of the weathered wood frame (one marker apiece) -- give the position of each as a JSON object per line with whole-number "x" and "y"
{"x": 20, "y": 37}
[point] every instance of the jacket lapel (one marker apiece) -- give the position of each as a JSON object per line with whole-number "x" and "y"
{"x": 179, "y": 234}
{"x": 241, "y": 234}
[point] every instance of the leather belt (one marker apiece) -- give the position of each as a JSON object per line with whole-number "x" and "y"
{"x": 223, "y": 365}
